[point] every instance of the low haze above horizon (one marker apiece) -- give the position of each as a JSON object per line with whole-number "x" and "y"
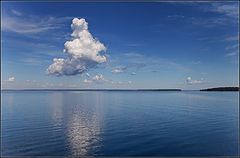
{"x": 164, "y": 45}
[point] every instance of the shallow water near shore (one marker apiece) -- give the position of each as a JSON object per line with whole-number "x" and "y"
{"x": 115, "y": 123}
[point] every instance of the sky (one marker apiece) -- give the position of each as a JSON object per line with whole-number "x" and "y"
{"x": 187, "y": 45}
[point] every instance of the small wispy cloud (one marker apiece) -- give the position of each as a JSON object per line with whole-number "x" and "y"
{"x": 175, "y": 16}
{"x": 133, "y": 73}
{"x": 120, "y": 83}
{"x": 196, "y": 62}
{"x": 31, "y": 81}
{"x": 87, "y": 81}
{"x": 133, "y": 45}
{"x": 202, "y": 38}
{"x": 210, "y": 22}
{"x": 15, "y": 12}
{"x": 231, "y": 38}
{"x": 118, "y": 70}
{"x": 135, "y": 62}
{"x": 224, "y": 14}
{"x": 190, "y": 81}
{"x": 154, "y": 71}
{"x": 31, "y": 61}
{"x": 133, "y": 55}
{"x": 100, "y": 79}
{"x": 231, "y": 54}
{"x": 228, "y": 9}
{"x": 31, "y": 24}
{"x": 24, "y": 27}
{"x": 232, "y": 47}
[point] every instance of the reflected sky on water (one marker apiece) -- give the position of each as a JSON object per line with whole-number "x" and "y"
{"x": 119, "y": 123}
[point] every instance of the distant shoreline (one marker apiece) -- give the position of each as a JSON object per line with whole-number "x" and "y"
{"x": 208, "y": 89}
{"x": 91, "y": 90}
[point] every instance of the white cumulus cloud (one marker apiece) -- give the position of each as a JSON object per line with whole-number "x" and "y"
{"x": 87, "y": 81}
{"x": 117, "y": 70}
{"x": 10, "y": 79}
{"x": 190, "y": 81}
{"x": 96, "y": 79}
{"x": 133, "y": 73}
{"x": 83, "y": 52}
{"x": 99, "y": 79}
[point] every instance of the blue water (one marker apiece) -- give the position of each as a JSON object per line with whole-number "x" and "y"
{"x": 60, "y": 123}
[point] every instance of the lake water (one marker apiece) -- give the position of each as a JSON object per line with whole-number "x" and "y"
{"x": 117, "y": 123}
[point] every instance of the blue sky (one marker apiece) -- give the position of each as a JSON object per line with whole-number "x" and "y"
{"x": 146, "y": 45}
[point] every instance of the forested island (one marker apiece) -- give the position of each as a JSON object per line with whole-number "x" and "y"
{"x": 222, "y": 89}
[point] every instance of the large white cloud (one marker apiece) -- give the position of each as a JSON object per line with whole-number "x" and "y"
{"x": 83, "y": 52}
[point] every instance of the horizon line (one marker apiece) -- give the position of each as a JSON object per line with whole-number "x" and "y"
{"x": 111, "y": 89}
{"x": 94, "y": 89}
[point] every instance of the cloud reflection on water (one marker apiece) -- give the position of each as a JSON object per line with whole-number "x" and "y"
{"x": 83, "y": 121}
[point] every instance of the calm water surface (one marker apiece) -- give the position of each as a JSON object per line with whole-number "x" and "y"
{"x": 119, "y": 123}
